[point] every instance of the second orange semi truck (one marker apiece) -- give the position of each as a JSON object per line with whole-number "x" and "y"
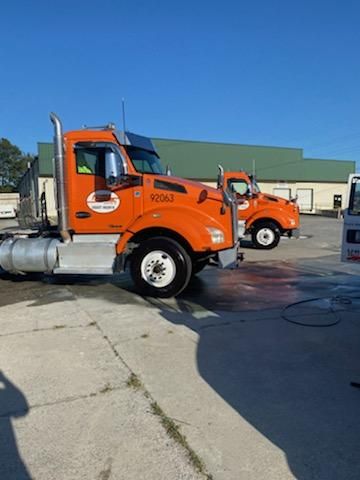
{"x": 117, "y": 210}
{"x": 265, "y": 217}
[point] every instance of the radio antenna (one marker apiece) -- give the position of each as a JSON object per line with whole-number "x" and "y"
{"x": 123, "y": 114}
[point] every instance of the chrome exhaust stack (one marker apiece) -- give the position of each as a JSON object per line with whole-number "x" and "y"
{"x": 60, "y": 180}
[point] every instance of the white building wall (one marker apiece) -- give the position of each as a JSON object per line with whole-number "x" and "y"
{"x": 323, "y": 193}
{"x": 47, "y": 184}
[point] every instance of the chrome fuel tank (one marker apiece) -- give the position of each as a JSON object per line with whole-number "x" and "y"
{"x": 28, "y": 254}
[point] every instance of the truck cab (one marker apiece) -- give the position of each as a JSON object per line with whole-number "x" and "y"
{"x": 117, "y": 210}
{"x": 265, "y": 217}
{"x": 350, "y": 251}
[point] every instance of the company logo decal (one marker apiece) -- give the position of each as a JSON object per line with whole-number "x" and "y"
{"x": 353, "y": 255}
{"x": 103, "y": 201}
{"x": 244, "y": 205}
{"x": 354, "y": 258}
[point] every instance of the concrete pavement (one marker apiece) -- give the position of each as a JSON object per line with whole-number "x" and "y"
{"x": 66, "y": 410}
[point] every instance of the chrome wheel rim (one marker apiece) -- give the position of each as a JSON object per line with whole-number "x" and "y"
{"x": 265, "y": 236}
{"x": 158, "y": 269}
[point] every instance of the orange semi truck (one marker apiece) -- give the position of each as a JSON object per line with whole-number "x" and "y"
{"x": 117, "y": 210}
{"x": 265, "y": 217}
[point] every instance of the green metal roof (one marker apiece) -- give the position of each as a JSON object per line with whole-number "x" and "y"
{"x": 199, "y": 160}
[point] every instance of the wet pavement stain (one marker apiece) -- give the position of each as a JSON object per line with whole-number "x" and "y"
{"x": 254, "y": 286}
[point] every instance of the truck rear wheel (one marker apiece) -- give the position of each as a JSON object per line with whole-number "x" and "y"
{"x": 266, "y": 235}
{"x": 160, "y": 267}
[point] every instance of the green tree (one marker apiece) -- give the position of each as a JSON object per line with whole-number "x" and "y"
{"x": 13, "y": 164}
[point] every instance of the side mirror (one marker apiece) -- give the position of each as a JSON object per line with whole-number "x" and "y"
{"x": 220, "y": 178}
{"x": 115, "y": 168}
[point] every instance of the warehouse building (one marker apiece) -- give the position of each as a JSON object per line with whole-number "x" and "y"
{"x": 319, "y": 184}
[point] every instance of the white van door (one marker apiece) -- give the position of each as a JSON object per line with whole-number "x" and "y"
{"x": 350, "y": 251}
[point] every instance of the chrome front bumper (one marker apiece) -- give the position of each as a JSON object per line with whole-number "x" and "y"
{"x": 230, "y": 258}
{"x": 294, "y": 233}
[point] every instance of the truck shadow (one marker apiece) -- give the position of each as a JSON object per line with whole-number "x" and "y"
{"x": 38, "y": 289}
{"x": 289, "y": 382}
{"x": 13, "y": 404}
{"x": 246, "y": 243}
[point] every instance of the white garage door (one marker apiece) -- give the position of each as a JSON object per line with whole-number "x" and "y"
{"x": 282, "y": 192}
{"x": 305, "y": 199}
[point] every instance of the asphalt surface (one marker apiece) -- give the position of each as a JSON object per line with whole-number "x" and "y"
{"x": 254, "y": 366}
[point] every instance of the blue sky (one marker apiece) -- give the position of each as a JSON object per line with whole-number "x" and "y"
{"x": 274, "y": 72}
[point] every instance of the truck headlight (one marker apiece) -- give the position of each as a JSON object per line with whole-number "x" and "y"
{"x": 217, "y": 236}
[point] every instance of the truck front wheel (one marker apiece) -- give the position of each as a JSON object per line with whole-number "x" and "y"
{"x": 160, "y": 267}
{"x": 265, "y": 235}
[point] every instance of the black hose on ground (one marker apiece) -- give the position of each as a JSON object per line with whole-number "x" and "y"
{"x": 337, "y": 300}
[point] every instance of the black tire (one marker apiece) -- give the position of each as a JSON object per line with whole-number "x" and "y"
{"x": 198, "y": 266}
{"x": 160, "y": 267}
{"x": 265, "y": 235}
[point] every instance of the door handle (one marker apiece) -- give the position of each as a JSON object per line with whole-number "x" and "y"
{"x": 82, "y": 214}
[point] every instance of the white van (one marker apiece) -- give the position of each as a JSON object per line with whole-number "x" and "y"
{"x": 7, "y": 211}
{"x": 350, "y": 251}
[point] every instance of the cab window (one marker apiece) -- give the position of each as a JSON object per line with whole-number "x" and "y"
{"x": 90, "y": 161}
{"x": 240, "y": 187}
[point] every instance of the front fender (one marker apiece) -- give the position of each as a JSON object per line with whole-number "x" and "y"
{"x": 284, "y": 219}
{"x": 189, "y": 223}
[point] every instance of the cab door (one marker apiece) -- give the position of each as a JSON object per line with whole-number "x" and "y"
{"x": 350, "y": 251}
{"x": 101, "y": 196}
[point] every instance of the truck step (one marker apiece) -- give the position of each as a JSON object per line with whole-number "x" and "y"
{"x": 96, "y": 238}
{"x": 83, "y": 271}
{"x": 95, "y": 258}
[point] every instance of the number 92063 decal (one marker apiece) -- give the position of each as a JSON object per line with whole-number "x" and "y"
{"x": 162, "y": 197}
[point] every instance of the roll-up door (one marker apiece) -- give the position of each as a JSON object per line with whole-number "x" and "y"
{"x": 305, "y": 199}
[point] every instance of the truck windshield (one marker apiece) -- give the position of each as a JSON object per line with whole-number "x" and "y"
{"x": 144, "y": 161}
